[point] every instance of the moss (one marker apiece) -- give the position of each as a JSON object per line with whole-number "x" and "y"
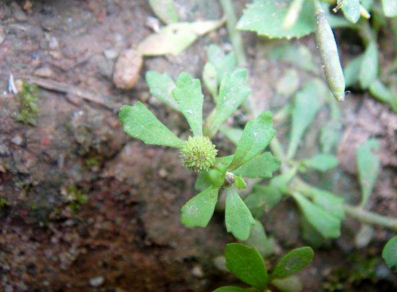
{"x": 28, "y": 108}
{"x": 76, "y": 198}
{"x": 3, "y": 203}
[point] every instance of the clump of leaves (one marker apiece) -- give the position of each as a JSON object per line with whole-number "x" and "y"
{"x": 247, "y": 264}
{"x": 198, "y": 153}
{"x": 28, "y": 108}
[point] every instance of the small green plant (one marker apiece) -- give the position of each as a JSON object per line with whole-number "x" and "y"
{"x": 247, "y": 264}
{"x": 3, "y": 203}
{"x": 75, "y": 198}
{"x": 28, "y": 108}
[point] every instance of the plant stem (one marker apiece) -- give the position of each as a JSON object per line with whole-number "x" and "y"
{"x": 234, "y": 34}
{"x": 370, "y": 217}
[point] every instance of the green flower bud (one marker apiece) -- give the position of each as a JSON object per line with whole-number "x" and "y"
{"x": 198, "y": 154}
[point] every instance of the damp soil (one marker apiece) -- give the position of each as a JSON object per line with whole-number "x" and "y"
{"x": 89, "y": 209}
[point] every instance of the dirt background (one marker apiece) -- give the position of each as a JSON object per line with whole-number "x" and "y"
{"x": 127, "y": 236}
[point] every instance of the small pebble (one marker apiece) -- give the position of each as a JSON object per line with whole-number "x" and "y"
{"x": 45, "y": 72}
{"x": 127, "y": 68}
{"x": 97, "y": 281}
{"x": 17, "y": 140}
{"x": 111, "y": 54}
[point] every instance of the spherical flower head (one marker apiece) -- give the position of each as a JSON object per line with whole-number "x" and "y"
{"x": 198, "y": 154}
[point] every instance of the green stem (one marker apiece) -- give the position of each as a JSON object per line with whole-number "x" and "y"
{"x": 234, "y": 34}
{"x": 370, "y": 217}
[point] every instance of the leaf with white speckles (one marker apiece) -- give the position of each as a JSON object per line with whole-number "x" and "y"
{"x": 198, "y": 211}
{"x": 161, "y": 86}
{"x": 265, "y": 17}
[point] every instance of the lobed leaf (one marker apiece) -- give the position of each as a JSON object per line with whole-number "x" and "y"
{"x": 389, "y": 253}
{"x": 233, "y": 91}
{"x": 190, "y": 100}
{"x": 307, "y": 103}
{"x": 261, "y": 166}
{"x": 140, "y": 123}
{"x": 368, "y": 166}
{"x": 256, "y": 137}
{"x": 326, "y": 224}
{"x": 369, "y": 69}
{"x": 223, "y": 63}
{"x": 293, "y": 262}
{"x": 321, "y": 162}
{"x": 265, "y": 18}
{"x": 198, "y": 211}
{"x": 247, "y": 264}
{"x": 210, "y": 79}
{"x": 237, "y": 215}
{"x": 161, "y": 86}
{"x": 351, "y": 9}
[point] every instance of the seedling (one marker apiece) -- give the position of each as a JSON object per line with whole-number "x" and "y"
{"x": 247, "y": 264}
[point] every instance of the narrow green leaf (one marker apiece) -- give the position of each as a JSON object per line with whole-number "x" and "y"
{"x": 223, "y": 63}
{"x": 330, "y": 136}
{"x": 247, "y": 264}
{"x": 293, "y": 262}
{"x": 307, "y": 103}
{"x": 198, "y": 211}
{"x": 351, "y": 9}
{"x": 256, "y": 137}
{"x": 240, "y": 182}
{"x": 139, "y": 122}
{"x": 321, "y": 162}
{"x": 233, "y": 91}
{"x": 190, "y": 101}
{"x": 237, "y": 215}
{"x": 288, "y": 284}
{"x": 390, "y": 7}
{"x": 369, "y": 68}
{"x": 165, "y": 10}
{"x": 231, "y": 289}
{"x": 368, "y": 166}
{"x": 210, "y": 78}
{"x": 329, "y": 202}
{"x": 265, "y": 18}
{"x": 381, "y": 92}
{"x": 326, "y": 224}
{"x": 161, "y": 86}
{"x": 259, "y": 240}
{"x": 351, "y": 69}
{"x": 233, "y": 134}
{"x": 389, "y": 253}
{"x": 263, "y": 197}
{"x": 261, "y": 166}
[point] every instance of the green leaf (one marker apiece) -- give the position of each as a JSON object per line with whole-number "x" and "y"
{"x": 233, "y": 91}
{"x": 190, "y": 101}
{"x": 390, "y": 7}
{"x": 389, "y": 253}
{"x": 351, "y": 69}
{"x": 283, "y": 180}
{"x": 223, "y": 63}
{"x": 233, "y": 134}
{"x": 165, "y": 10}
{"x": 247, "y": 264}
{"x": 265, "y": 17}
{"x": 329, "y": 202}
{"x": 231, "y": 289}
{"x": 210, "y": 78}
{"x": 326, "y": 224}
{"x": 261, "y": 166}
{"x": 351, "y": 9}
{"x": 330, "y": 135}
{"x": 307, "y": 103}
{"x": 368, "y": 166}
{"x": 256, "y": 136}
{"x": 240, "y": 182}
{"x": 237, "y": 215}
{"x": 161, "y": 86}
{"x": 176, "y": 37}
{"x": 369, "y": 68}
{"x": 198, "y": 211}
{"x": 381, "y": 92}
{"x": 293, "y": 262}
{"x": 139, "y": 122}
{"x": 310, "y": 234}
{"x": 259, "y": 240}
{"x": 288, "y": 284}
{"x": 321, "y": 162}
{"x": 261, "y": 197}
